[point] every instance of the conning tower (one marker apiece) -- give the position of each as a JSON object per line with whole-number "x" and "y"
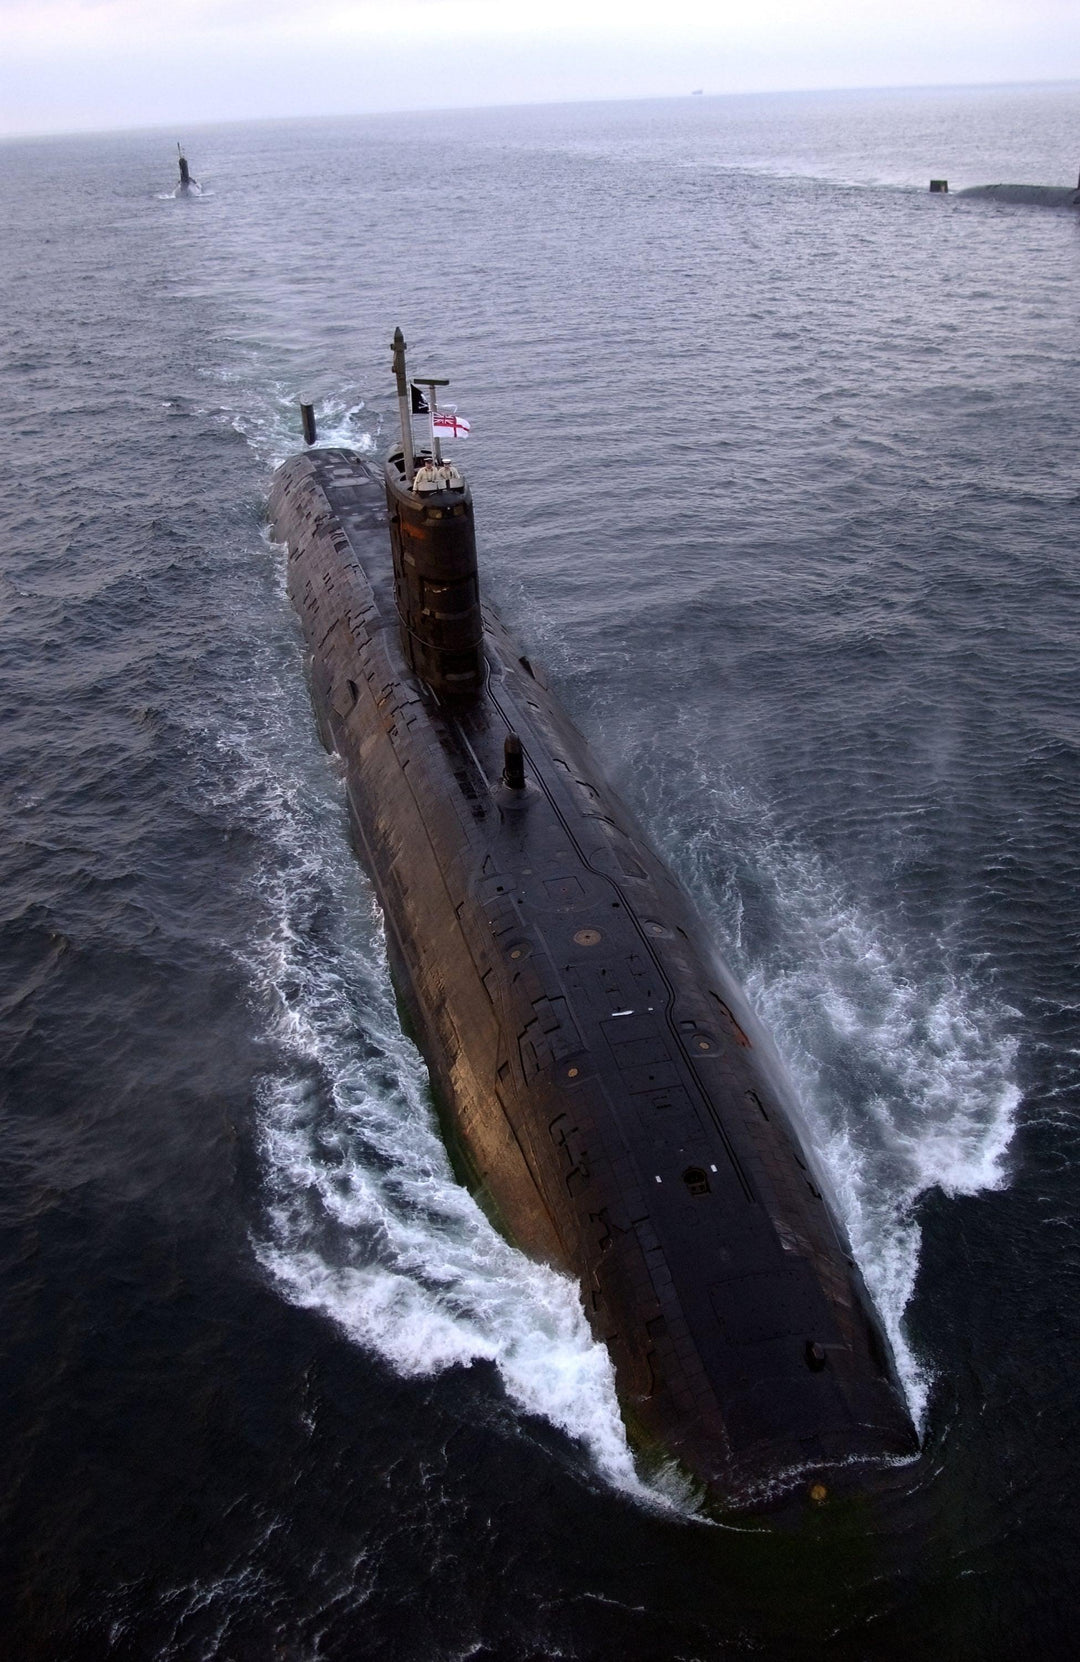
{"x": 433, "y": 540}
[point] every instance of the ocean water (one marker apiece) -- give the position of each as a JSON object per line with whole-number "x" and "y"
{"x": 775, "y": 459}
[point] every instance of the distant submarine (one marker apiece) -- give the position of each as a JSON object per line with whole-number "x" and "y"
{"x": 602, "y": 1082}
{"x": 187, "y": 183}
{"x": 1032, "y": 196}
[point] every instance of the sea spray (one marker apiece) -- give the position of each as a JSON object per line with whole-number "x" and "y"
{"x": 903, "y": 1063}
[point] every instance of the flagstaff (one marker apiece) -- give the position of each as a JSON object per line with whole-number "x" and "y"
{"x": 428, "y": 384}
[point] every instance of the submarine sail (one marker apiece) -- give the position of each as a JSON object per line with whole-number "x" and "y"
{"x": 186, "y": 183}
{"x": 605, "y": 1084}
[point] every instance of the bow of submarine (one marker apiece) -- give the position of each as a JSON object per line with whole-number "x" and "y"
{"x": 614, "y": 1098}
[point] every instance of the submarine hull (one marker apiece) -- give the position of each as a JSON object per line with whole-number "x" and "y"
{"x": 616, "y": 1104}
{"x": 1026, "y": 196}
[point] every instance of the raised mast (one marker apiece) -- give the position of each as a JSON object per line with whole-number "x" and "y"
{"x": 404, "y": 405}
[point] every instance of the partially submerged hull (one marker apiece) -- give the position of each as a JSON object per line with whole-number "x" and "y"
{"x": 1027, "y": 196}
{"x": 614, "y": 1099}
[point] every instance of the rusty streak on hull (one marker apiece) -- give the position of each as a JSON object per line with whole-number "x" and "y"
{"x": 617, "y": 1103}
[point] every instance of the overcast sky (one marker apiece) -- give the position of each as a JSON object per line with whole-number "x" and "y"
{"x": 71, "y": 65}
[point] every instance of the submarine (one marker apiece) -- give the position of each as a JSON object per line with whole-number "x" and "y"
{"x": 187, "y": 184}
{"x": 1029, "y": 196}
{"x": 602, "y": 1082}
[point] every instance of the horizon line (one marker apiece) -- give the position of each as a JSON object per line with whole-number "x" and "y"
{"x": 523, "y": 104}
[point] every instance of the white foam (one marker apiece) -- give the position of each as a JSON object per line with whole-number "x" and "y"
{"x": 904, "y": 1064}
{"x": 270, "y": 420}
{"x": 365, "y": 1221}
{"x": 367, "y": 1224}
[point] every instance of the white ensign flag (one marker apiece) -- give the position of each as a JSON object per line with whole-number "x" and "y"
{"x": 447, "y": 424}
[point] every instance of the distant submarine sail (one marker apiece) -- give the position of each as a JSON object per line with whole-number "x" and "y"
{"x": 600, "y": 1076}
{"x": 186, "y": 182}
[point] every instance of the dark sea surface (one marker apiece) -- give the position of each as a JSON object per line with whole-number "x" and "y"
{"x": 776, "y": 460}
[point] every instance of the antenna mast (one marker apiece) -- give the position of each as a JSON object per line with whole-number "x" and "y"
{"x": 404, "y": 405}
